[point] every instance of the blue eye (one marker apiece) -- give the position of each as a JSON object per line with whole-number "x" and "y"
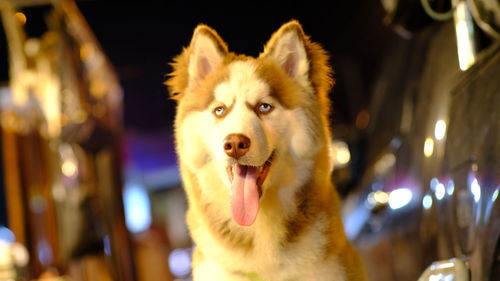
{"x": 219, "y": 111}
{"x": 265, "y": 108}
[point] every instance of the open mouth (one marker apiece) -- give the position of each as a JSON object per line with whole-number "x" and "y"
{"x": 246, "y": 184}
{"x": 260, "y": 171}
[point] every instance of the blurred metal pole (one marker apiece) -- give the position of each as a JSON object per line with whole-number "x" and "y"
{"x": 17, "y": 65}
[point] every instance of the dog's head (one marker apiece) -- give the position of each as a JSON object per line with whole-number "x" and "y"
{"x": 246, "y": 122}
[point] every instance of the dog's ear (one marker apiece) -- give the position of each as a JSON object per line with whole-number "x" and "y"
{"x": 287, "y": 48}
{"x": 301, "y": 59}
{"x": 205, "y": 53}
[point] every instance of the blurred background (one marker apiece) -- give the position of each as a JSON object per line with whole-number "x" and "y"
{"x": 89, "y": 184}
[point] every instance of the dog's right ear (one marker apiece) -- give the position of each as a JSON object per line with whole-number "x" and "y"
{"x": 205, "y": 53}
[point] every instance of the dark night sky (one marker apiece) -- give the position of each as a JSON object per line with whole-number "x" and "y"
{"x": 141, "y": 37}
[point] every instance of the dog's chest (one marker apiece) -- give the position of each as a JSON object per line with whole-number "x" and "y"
{"x": 270, "y": 260}
{"x": 300, "y": 267}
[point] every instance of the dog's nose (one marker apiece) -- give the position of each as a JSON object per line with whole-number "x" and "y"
{"x": 236, "y": 145}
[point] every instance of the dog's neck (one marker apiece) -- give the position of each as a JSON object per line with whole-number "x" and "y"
{"x": 286, "y": 221}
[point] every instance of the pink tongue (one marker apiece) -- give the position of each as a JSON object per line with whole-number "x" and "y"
{"x": 245, "y": 200}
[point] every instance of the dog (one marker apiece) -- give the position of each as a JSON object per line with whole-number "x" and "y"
{"x": 253, "y": 138}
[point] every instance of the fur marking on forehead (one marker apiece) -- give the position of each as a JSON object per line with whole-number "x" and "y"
{"x": 243, "y": 84}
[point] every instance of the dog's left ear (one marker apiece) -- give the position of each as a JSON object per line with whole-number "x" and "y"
{"x": 287, "y": 48}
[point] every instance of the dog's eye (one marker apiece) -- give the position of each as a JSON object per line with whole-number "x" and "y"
{"x": 264, "y": 108}
{"x": 219, "y": 111}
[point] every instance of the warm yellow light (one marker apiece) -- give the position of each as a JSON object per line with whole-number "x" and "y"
{"x": 69, "y": 168}
{"x": 377, "y": 199}
{"x": 5, "y": 255}
{"x": 428, "y": 147}
{"x": 343, "y": 156}
{"x": 474, "y": 167}
{"x": 21, "y": 17}
{"x": 464, "y": 31}
{"x": 340, "y": 154}
{"x": 20, "y": 254}
{"x": 381, "y": 197}
{"x": 440, "y": 130}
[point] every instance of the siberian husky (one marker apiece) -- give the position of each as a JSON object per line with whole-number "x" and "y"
{"x": 253, "y": 139}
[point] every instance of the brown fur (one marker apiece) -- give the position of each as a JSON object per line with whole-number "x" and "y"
{"x": 178, "y": 81}
{"x": 320, "y": 72}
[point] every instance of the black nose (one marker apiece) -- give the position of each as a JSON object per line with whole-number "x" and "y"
{"x": 236, "y": 145}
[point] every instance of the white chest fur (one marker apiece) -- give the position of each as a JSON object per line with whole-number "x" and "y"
{"x": 302, "y": 260}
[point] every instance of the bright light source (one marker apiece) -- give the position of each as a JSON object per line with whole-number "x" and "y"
{"x": 343, "y": 156}
{"x": 440, "y": 191}
{"x": 381, "y": 197}
{"x": 21, "y": 17}
{"x": 446, "y": 270}
{"x": 428, "y": 147}
{"x": 440, "y": 130}
{"x": 474, "y": 167}
{"x": 434, "y": 182}
{"x": 20, "y": 253}
{"x": 475, "y": 188}
{"x": 464, "y": 30}
{"x": 69, "y": 168}
{"x": 137, "y": 208}
{"x": 427, "y": 201}
{"x": 399, "y": 198}
{"x": 495, "y": 194}
{"x": 5, "y": 258}
{"x": 377, "y": 198}
{"x": 450, "y": 188}
{"x": 340, "y": 153}
{"x": 436, "y": 277}
{"x": 179, "y": 262}
{"x": 6, "y": 235}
